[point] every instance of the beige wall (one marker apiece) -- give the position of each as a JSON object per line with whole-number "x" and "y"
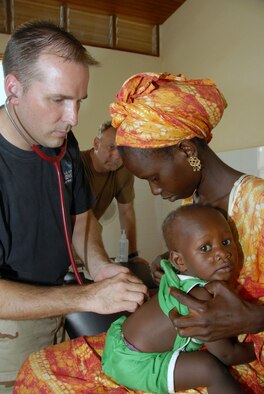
{"x": 222, "y": 40}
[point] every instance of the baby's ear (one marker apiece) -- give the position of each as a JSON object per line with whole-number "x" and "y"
{"x": 178, "y": 261}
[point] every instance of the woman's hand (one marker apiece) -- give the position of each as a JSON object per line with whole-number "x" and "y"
{"x": 224, "y": 315}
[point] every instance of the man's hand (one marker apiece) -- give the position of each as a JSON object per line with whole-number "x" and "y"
{"x": 224, "y": 315}
{"x": 121, "y": 292}
{"x": 110, "y": 270}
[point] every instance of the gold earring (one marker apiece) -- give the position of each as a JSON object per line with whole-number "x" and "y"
{"x": 195, "y": 163}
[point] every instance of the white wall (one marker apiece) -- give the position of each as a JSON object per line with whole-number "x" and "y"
{"x": 249, "y": 161}
{"x": 222, "y": 40}
{"x": 3, "y": 41}
{"x": 2, "y": 91}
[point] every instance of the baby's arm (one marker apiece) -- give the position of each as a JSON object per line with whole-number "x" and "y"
{"x": 229, "y": 351}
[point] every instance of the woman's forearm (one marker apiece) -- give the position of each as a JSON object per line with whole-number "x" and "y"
{"x": 254, "y": 318}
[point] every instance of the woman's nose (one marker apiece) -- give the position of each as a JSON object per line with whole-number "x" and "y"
{"x": 155, "y": 189}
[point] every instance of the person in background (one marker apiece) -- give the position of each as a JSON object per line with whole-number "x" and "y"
{"x": 146, "y": 345}
{"x": 109, "y": 179}
{"x": 46, "y": 74}
{"x": 164, "y": 124}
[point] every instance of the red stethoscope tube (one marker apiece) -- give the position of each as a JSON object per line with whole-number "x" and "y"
{"x": 56, "y": 161}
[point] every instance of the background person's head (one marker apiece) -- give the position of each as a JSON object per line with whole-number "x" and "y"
{"x": 162, "y": 122}
{"x": 106, "y": 154}
{"x": 201, "y": 243}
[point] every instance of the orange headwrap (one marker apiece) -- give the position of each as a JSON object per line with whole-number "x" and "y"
{"x": 157, "y": 110}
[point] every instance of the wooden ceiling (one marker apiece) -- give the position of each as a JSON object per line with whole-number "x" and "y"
{"x": 148, "y": 11}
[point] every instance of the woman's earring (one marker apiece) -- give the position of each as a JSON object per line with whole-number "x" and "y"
{"x": 195, "y": 163}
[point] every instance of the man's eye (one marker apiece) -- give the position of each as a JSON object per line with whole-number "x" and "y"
{"x": 226, "y": 242}
{"x": 206, "y": 248}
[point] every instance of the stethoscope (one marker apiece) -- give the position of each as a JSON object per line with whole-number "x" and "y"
{"x": 56, "y": 162}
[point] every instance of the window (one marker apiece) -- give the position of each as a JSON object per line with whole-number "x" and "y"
{"x": 92, "y": 26}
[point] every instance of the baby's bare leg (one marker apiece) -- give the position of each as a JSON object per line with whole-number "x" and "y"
{"x": 202, "y": 369}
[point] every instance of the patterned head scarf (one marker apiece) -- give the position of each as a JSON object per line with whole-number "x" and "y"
{"x": 158, "y": 110}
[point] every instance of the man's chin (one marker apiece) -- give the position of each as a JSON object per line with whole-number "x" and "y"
{"x": 55, "y": 143}
{"x": 112, "y": 167}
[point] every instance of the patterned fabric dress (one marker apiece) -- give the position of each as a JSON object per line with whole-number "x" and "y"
{"x": 246, "y": 210}
{"x": 75, "y": 366}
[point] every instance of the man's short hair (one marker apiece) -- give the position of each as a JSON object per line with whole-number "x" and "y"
{"x": 104, "y": 126}
{"x": 34, "y": 38}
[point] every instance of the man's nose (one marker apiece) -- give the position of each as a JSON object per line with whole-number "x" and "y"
{"x": 115, "y": 154}
{"x": 71, "y": 114}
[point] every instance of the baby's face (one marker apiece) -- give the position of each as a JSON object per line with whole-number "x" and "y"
{"x": 208, "y": 249}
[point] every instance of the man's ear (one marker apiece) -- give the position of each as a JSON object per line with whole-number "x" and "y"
{"x": 178, "y": 261}
{"x": 96, "y": 143}
{"x": 188, "y": 147}
{"x": 13, "y": 88}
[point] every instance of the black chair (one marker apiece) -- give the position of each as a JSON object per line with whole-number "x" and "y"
{"x": 91, "y": 323}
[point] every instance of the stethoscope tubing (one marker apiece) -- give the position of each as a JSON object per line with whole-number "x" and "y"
{"x": 65, "y": 226}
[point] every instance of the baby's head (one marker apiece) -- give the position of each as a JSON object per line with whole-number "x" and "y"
{"x": 201, "y": 243}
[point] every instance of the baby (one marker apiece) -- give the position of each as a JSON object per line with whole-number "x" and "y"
{"x": 144, "y": 351}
